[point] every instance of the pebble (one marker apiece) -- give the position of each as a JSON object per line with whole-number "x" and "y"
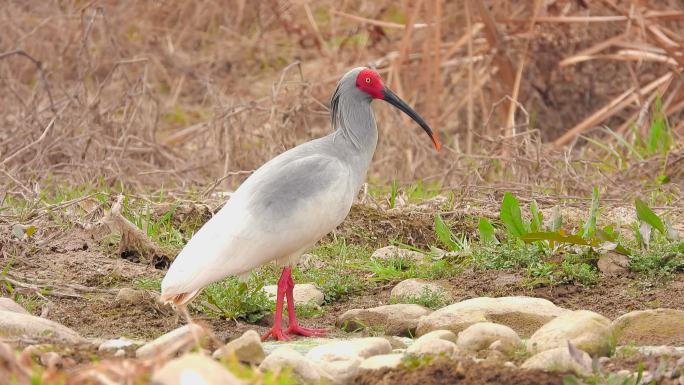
{"x": 484, "y": 335}
{"x": 172, "y": 342}
{"x": 246, "y": 348}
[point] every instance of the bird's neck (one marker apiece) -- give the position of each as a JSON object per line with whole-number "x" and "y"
{"x": 356, "y": 135}
{"x": 355, "y": 128}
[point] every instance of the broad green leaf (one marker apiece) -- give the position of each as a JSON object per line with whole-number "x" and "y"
{"x": 537, "y": 218}
{"x": 607, "y": 235}
{"x": 646, "y": 215}
{"x": 444, "y": 234}
{"x": 486, "y": 232}
{"x": 573, "y": 239}
{"x": 511, "y": 217}
{"x": 590, "y": 226}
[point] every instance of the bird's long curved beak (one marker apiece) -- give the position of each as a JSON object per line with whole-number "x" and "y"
{"x": 392, "y": 98}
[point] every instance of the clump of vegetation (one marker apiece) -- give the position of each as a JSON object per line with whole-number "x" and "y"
{"x": 233, "y": 299}
{"x": 429, "y": 298}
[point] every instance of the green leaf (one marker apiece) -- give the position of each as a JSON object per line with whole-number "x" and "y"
{"x": 511, "y": 217}
{"x": 573, "y": 239}
{"x": 444, "y": 234}
{"x": 537, "y": 218}
{"x": 590, "y": 226}
{"x": 645, "y": 214}
{"x": 486, "y": 232}
{"x": 659, "y": 137}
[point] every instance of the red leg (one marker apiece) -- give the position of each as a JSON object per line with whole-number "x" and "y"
{"x": 294, "y": 327}
{"x": 277, "y": 329}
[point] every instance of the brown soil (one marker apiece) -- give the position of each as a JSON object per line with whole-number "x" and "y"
{"x": 464, "y": 372}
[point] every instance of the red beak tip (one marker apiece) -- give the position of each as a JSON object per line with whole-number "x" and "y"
{"x": 438, "y": 145}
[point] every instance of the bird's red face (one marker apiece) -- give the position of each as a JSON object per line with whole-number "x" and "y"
{"x": 369, "y": 82}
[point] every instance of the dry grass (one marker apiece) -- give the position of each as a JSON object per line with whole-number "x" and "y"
{"x": 181, "y": 94}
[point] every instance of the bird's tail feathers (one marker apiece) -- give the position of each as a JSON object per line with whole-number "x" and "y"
{"x": 180, "y": 299}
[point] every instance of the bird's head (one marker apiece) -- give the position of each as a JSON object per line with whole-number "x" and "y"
{"x": 369, "y": 82}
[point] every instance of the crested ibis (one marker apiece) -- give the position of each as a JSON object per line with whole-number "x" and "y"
{"x": 289, "y": 203}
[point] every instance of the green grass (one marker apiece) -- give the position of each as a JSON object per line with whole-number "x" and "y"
{"x": 428, "y": 298}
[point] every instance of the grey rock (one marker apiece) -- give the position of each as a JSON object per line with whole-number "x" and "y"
{"x": 304, "y": 294}
{"x": 246, "y": 348}
{"x": 127, "y": 296}
{"x": 193, "y": 368}
{"x": 172, "y": 342}
{"x": 382, "y": 361}
{"x": 398, "y": 319}
{"x": 412, "y": 288}
{"x": 613, "y": 264}
{"x": 7, "y": 304}
{"x": 651, "y": 327}
{"x": 389, "y": 252}
{"x": 17, "y": 324}
{"x": 588, "y": 331}
{"x": 433, "y": 347}
{"x": 522, "y": 314}
{"x": 302, "y": 369}
{"x": 559, "y": 360}
{"x": 483, "y": 335}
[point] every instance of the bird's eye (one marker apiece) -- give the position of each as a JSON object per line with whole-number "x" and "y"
{"x": 368, "y": 80}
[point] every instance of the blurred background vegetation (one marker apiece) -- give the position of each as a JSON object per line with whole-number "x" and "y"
{"x": 181, "y": 94}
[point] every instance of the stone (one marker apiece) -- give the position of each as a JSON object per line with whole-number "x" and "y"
{"x": 447, "y": 335}
{"x": 51, "y": 360}
{"x": 398, "y": 319}
{"x": 381, "y": 361}
{"x": 355, "y": 347}
{"x": 193, "y": 368}
{"x": 340, "y": 371}
{"x": 522, "y": 314}
{"x": 613, "y": 264}
{"x": 304, "y": 294}
{"x": 340, "y": 360}
{"x": 650, "y": 327}
{"x": 172, "y": 342}
{"x": 588, "y": 331}
{"x": 303, "y": 370}
{"x": 412, "y": 288}
{"x": 398, "y": 342}
{"x": 559, "y": 360}
{"x": 127, "y": 296}
{"x": 483, "y": 335}
{"x": 246, "y": 348}
{"x": 116, "y": 344}
{"x": 17, "y": 324}
{"x": 433, "y": 347}
{"x": 7, "y": 304}
{"x": 389, "y": 252}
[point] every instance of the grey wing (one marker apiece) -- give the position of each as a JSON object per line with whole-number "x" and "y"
{"x": 313, "y": 190}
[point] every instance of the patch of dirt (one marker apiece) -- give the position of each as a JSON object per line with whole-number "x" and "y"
{"x": 462, "y": 372}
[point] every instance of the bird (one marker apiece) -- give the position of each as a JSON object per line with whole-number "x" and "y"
{"x": 289, "y": 203}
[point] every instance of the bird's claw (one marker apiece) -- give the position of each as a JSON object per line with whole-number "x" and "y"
{"x": 277, "y": 333}
{"x": 306, "y": 332}
{"x": 284, "y": 335}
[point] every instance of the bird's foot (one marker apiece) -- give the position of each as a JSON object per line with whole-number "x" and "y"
{"x": 277, "y": 333}
{"x": 306, "y": 332}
